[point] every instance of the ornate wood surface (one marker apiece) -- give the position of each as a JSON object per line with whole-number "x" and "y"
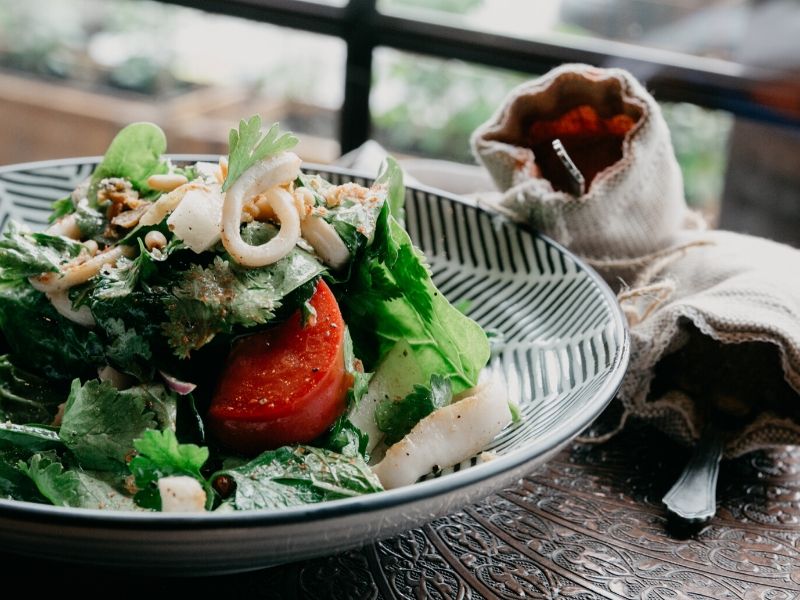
{"x": 588, "y": 525}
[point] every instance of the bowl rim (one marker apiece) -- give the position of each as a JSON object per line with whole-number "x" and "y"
{"x": 359, "y": 505}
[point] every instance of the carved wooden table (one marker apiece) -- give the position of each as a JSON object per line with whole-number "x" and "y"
{"x": 587, "y": 525}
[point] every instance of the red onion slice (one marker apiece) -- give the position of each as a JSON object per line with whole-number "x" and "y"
{"x": 176, "y": 385}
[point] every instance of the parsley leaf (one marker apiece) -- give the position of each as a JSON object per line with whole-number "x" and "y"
{"x": 249, "y": 145}
{"x": 160, "y": 455}
{"x": 396, "y": 419}
{"x": 24, "y": 254}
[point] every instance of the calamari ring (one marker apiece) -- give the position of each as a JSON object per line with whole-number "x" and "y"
{"x": 265, "y": 175}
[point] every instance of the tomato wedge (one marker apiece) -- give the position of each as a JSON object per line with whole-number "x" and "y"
{"x": 285, "y": 385}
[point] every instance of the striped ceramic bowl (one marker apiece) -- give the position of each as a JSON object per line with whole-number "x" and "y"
{"x": 561, "y": 345}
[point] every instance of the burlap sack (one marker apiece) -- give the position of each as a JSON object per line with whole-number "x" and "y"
{"x": 632, "y": 207}
{"x": 714, "y": 316}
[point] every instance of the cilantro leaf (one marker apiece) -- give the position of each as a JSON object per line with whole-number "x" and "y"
{"x": 209, "y": 300}
{"x": 295, "y": 475}
{"x": 101, "y": 422}
{"x": 160, "y": 455}
{"x": 396, "y": 419}
{"x": 346, "y": 438}
{"x": 249, "y": 145}
{"x": 57, "y": 486}
{"x": 128, "y": 351}
{"x": 24, "y": 254}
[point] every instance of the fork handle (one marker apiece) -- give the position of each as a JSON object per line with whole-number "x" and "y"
{"x": 693, "y": 498}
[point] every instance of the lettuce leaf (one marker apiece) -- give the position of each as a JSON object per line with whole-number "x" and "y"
{"x": 390, "y": 297}
{"x": 134, "y": 154}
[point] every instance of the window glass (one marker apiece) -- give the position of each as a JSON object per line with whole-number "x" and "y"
{"x": 73, "y": 71}
{"x": 710, "y": 29}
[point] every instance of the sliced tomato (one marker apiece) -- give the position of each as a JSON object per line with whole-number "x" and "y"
{"x": 284, "y": 385}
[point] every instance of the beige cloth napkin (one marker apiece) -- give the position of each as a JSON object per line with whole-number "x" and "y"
{"x": 714, "y": 316}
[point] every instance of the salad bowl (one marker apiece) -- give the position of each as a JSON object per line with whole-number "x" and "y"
{"x": 559, "y": 341}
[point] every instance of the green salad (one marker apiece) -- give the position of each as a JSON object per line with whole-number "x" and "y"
{"x": 229, "y": 335}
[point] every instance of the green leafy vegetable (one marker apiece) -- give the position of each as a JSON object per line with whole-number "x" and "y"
{"x": 73, "y": 487}
{"x": 298, "y": 475}
{"x": 101, "y": 422}
{"x": 29, "y": 323}
{"x": 249, "y": 145}
{"x": 14, "y": 482}
{"x": 215, "y": 299}
{"x": 391, "y": 178}
{"x": 160, "y": 455}
{"x": 128, "y": 351}
{"x": 28, "y": 437}
{"x": 61, "y": 208}
{"x": 24, "y": 254}
{"x": 390, "y": 297}
{"x": 396, "y": 419}
{"x": 91, "y": 223}
{"x": 25, "y": 397}
{"x": 134, "y": 154}
{"x": 345, "y": 437}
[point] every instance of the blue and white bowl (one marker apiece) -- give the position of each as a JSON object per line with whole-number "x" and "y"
{"x": 561, "y": 344}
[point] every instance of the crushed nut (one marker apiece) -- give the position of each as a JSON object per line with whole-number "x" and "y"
{"x": 155, "y": 240}
{"x": 166, "y": 182}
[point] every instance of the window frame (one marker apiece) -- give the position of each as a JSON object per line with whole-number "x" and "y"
{"x": 670, "y": 76}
